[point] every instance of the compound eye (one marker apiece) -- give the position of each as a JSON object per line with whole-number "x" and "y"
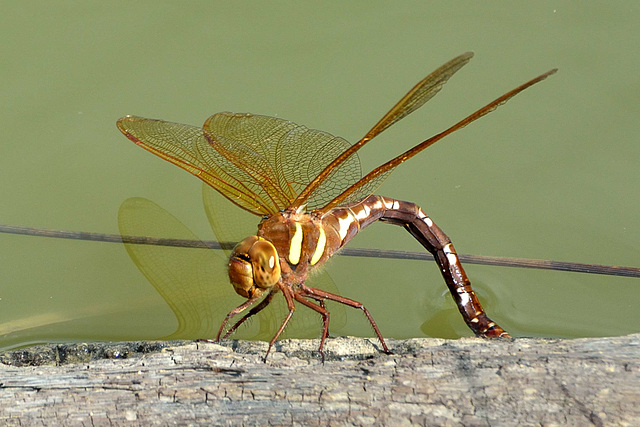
{"x": 265, "y": 263}
{"x": 243, "y": 247}
{"x": 241, "y": 269}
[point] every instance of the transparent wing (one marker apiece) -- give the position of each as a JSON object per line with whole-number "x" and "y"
{"x": 228, "y": 224}
{"x": 280, "y": 158}
{"x": 370, "y": 182}
{"x": 186, "y": 147}
{"x": 192, "y": 281}
{"x": 265, "y": 164}
{"x": 422, "y": 92}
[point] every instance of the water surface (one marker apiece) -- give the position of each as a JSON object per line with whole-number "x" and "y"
{"x": 553, "y": 174}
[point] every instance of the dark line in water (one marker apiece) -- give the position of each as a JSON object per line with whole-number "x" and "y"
{"x": 575, "y": 267}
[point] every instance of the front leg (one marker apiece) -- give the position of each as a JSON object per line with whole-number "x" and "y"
{"x": 411, "y": 217}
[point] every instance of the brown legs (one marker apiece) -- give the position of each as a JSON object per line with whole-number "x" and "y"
{"x": 320, "y": 295}
{"x": 255, "y": 310}
{"x": 300, "y": 293}
{"x": 239, "y": 309}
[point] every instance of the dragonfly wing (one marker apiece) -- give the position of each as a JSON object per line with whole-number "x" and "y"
{"x": 370, "y": 182}
{"x": 228, "y": 224}
{"x": 187, "y": 147}
{"x": 192, "y": 281}
{"x": 422, "y": 92}
{"x": 282, "y": 156}
{"x": 321, "y": 149}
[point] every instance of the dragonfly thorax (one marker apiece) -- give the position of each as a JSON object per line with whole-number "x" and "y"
{"x": 299, "y": 239}
{"x": 254, "y": 267}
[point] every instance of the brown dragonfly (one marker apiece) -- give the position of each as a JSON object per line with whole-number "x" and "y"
{"x": 308, "y": 188}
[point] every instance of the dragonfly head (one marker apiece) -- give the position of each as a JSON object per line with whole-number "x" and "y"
{"x": 254, "y": 267}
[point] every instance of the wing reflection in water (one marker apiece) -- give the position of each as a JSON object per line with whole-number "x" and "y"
{"x": 194, "y": 281}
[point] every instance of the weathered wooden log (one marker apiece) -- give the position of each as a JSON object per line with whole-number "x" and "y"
{"x": 427, "y": 381}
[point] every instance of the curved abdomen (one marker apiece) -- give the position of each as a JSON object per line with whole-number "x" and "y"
{"x": 343, "y": 223}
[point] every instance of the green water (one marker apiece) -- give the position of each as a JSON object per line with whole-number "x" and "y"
{"x": 553, "y": 174}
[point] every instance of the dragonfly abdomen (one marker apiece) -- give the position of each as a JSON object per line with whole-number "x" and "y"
{"x": 349, "y": 220}
{"x": 432, "y": 238}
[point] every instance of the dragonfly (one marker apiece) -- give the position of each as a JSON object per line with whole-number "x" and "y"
{"x": 308, "y": 189}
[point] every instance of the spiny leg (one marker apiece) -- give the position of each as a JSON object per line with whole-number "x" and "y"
{"x": 255, "y": 310}
{"x": 411, "y": 217}
{"x": 299, "y": 296}
{"x": 316, "y": 293}
{"x": 287, "y": 292}
{"x": 233, "y": 312}
{"x": 320, "y": 304}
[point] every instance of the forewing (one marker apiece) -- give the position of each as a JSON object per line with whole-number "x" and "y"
{"x": 282, "y": 156}
{"x": 186, "y": 146}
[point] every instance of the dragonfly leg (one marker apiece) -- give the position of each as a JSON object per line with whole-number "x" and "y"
{"x": 319, "y": 300}
{"x": 288, "y": 296}
{"x": 319, "y": 294}
{"x": 255, "y": 310}
{"x": 299, "y": 296}
{"x": 232, "y": 313}
{"x": 412, "y": 218}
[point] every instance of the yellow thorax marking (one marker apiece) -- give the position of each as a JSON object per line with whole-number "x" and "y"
{"x": 322, "y": 240}
{"x": 295, "y": 248}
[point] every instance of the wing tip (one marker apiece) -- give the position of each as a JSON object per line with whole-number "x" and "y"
{"x": 121, "y": 123}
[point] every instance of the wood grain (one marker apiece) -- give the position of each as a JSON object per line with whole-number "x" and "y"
{"x": 470, "y": 381}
